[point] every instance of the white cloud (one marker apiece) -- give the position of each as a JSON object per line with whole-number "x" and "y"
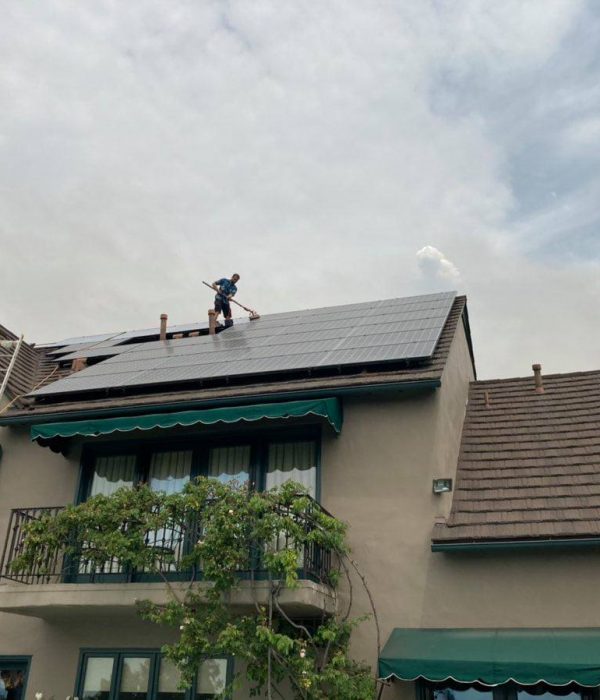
{"x": 584, "y": 134}
{"x": 435, "y": 266}
{"x": 145, "y": 146}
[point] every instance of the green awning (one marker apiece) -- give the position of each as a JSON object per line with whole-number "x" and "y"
{"x": 330, "y": 409}
{"x": 494, "y": 656}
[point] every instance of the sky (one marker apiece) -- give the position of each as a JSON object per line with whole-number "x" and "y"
{"x": 329, "y": 152}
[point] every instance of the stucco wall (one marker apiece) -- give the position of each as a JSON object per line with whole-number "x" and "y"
{"x": 30, "y": 477}
{"x": 376, "y": 476}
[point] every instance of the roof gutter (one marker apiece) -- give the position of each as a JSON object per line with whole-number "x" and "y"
{"x": 515, "y": 545}
{"x": 394, "y": 387}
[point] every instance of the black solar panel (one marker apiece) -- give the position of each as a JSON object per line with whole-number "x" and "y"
{"x": 356, "y": 334}
{"x": 109, "y": 343}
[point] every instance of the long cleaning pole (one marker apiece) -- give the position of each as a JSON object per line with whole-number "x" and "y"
{"x": 252, "y": 312}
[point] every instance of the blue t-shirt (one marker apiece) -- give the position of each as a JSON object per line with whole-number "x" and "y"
{"x": 227, "y": 288}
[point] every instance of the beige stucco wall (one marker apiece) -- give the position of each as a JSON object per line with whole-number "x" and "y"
{"x": 377, "y": 477}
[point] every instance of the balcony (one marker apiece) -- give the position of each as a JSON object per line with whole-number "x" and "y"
{"x": 70, "y": 584}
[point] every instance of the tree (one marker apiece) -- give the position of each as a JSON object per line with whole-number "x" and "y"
{"x": 222, "y": 530}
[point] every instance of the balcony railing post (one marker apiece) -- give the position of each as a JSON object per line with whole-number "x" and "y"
{"x": 10, "y": 530}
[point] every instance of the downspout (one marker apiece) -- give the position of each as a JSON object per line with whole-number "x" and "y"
{"x": 13, "y": 359}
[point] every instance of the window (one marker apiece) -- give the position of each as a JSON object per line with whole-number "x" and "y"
{"x": 146, "y": 675}
{"x": 13, "y": 676}
{"x": 229, "y": 464}
{"x": 170, "y": 471}
{"x": 112, "y": 473}
{"x": 508, "y": 691}
{"x": 292, "y": 461}
{"x": 265, "y": 461}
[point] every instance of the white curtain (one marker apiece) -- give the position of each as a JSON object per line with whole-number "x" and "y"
{"x": 111, "y": 473}
{"x": 230, "y": 464}
{"x": 292, "y": 461}
{"x": 170, "y": 471}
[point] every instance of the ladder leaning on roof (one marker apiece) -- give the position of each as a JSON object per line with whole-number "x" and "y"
{"x": 9, "y": 344}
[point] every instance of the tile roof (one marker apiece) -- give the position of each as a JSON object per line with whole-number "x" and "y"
{"x": 265, "y": 386}
{"x": 529, "y": 464}
{"x": 33, "y": 368}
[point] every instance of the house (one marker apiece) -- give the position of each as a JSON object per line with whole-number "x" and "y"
{"x": 470, "y": 504}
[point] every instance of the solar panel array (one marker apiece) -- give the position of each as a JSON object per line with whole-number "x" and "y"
{"x": 79, "y": 346}
{"x": 356, "y": 334}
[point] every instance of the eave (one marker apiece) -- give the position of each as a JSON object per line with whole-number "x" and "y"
{"x": 515, "y": 545}
{"x": 259, "y": 397}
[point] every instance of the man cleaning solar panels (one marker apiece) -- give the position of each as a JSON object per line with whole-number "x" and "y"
{"x": 226, "y": 290}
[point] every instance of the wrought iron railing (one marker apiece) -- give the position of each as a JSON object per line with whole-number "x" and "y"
{"x": 170, "y": 544}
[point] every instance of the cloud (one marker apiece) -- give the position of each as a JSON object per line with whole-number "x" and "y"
{"x": 584, "y": 133}
{"x": 435, "y": 266}
{"x": 313, "y": 148}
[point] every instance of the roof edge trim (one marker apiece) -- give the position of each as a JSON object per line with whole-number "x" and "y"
{"x": 508, "y": 545}
{"x": 388, "y": 387}
{"x": 467, "y": 328}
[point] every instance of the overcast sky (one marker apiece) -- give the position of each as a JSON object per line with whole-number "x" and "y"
{"x": 329, "y": 152}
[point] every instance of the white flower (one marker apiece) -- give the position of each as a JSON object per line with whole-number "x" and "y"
{"x": 302, "y": 653}
{"x": 39, "y": 696}
{"x": 182, "y": 627}
{"x": 230, "y": 511}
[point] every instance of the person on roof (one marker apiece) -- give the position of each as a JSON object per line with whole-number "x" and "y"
{"x": 226, "y": 290}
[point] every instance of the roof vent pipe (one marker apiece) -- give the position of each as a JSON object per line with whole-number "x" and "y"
{"x": 537, "y": 375}
{"x": 78, "y": 364}
{"x": 212, "y": 322}
{"x": 163, "y": 326}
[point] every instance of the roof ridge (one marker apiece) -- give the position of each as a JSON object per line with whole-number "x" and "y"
{"x": 529, "y": 377}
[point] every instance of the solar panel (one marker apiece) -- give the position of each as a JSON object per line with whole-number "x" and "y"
{"x": 356, "y": 334}
{"x": 87, "y": 345}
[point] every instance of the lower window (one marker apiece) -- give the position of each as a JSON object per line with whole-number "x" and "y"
{"x": 13, "y": 677}
{"x": 145, "y": 675}
{"x": 507, "y": 691}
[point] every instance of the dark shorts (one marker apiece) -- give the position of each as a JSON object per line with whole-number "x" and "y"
{"x": 222, "y": 306}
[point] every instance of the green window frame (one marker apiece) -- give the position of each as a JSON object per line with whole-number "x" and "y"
{"x": 154, "y": 658}
{"x": 17, "y": 663}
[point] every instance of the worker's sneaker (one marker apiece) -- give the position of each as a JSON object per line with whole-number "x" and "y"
{"x": 228, "y": 322}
